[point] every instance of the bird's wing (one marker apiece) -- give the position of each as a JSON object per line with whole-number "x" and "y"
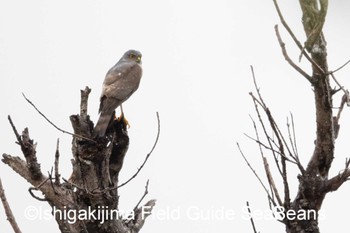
{"x": 121, "y": 81}
{"x": 118, "y": 71}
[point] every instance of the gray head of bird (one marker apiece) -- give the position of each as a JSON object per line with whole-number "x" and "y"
{"x": 132, "y": 55}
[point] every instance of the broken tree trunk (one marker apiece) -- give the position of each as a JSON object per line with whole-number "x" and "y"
{"x": 91, "y": 193}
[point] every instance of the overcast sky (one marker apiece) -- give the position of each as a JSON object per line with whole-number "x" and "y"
{"x": 196, "y": 58}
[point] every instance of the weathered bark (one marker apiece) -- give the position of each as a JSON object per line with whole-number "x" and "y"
{"x": 312, "y": 190}
{"x": 93, "y": 185}
{"x": 301, "y": 214}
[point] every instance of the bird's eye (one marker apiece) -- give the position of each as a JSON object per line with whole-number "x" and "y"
{"x": 132, "y": 56}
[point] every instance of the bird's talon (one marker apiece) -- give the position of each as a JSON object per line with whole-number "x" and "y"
{"x": 124, "y": 120}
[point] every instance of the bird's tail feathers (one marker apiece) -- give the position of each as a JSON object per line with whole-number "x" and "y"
{"x": 102, "y": 124}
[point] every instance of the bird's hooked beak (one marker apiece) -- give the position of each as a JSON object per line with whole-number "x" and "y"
{"x": 138, "y": 59}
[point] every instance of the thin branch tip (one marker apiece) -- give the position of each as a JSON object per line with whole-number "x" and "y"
{"x": 147, "y": 156}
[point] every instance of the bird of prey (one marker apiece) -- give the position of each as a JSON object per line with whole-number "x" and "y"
{"x": 121, "y": 81}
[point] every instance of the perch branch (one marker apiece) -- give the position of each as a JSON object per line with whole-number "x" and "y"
{"x": 147, "y": 157}
{"x": 8, "y": 211}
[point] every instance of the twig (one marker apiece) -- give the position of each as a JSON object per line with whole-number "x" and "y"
{"x": 262, "y": 104}
{"x": 347, "y": 164}
{"x": 341, "y": 67}
{"x": 251, "y": 217}
{"x": 8, "y": 211}
{"x": 51, "y": 123}
{"x": 256, "y": 175}
{"x": 339, "y": 85}
{"x": 148, "y": 155}
{"x": 282, "y": 144}
{"x": 336, "y": 125}
{"x": 271, "y": 181}
{"x": 57, "y": 156}
{"x": 30, "y": 190}
{"x": 28, "y": 148}
{"x": 334, "y": 183}
{"x": 287, "y": 58}
{"x": 143, "y": 196}
{"x": 18, "y": 137}
{"x": 51, "y": 183}
{"x": 267, "y": 147}
{"x": 294, "y": 144}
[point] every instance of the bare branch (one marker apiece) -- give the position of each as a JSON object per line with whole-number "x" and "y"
{"x": 294, "y": 139}
{"x": 271, "y": 181}
{"x": 272, "y": 185}
{"x": 143, "y": 196}
{"x": 334, "y": 183}
{"x": 52, "y": 183}
{"x": 147, "y": 157}
{"x": 28, "y": 148}
{"x": 57, "y": 156}
{"x": 8, "y": 211}
{"x": 341, "y": 67}
{"x": 84, "y": 96}
{"x": 268, "y": 148}
{"x": 251, "y": 217}
{"x": 31, "y": 189}
{"x": 287, "y": 58}
{"x": 18, "y": 137}
{"x": 339, "y": 85}
{"x": 51, "y": 123}
{"x": 296, "y": 41}
{"x": 336, "y": 126}
{"x": 256, "y": 175}
{"x": 141, "y": 214}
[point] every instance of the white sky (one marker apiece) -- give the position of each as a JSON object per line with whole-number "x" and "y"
{"x": 196, "y": 58}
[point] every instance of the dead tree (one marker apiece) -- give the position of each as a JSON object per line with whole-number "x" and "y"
{"x": 300, "y": 214}
{"x": 92, "y": 190}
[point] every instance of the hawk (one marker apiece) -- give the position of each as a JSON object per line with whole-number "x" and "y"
{"x": 121, "y": 81}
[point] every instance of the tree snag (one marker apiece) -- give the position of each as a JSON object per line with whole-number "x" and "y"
{"x": 314, "y": 182}
{"x": 93, "y": 185}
